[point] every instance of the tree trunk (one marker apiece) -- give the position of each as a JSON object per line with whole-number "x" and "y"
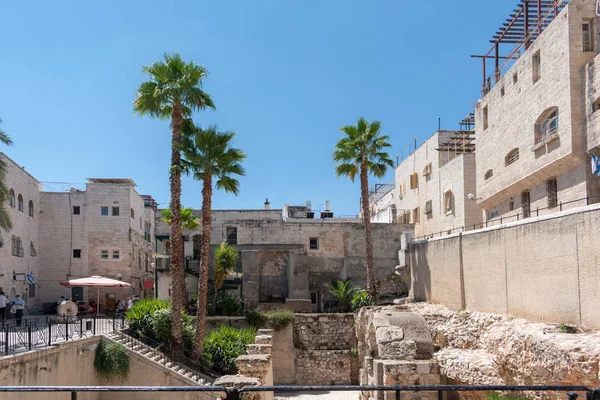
{"x": 176, "y": 269}
{"x": 364, "y": 190}
{"x": 204, "y": 259}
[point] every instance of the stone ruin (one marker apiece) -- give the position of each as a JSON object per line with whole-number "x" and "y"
{"x": 254, "y": 368}
{"x": 395, "y": 348}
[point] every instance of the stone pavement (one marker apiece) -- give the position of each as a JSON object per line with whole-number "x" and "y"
{"x": 319, "y": 396}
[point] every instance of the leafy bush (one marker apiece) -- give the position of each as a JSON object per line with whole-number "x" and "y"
{"x": 111, "y": 361}
{"x": 361, "y": 299}
{"x": 140, "y": 316}
{"x": 229, "y": 305}
{"x": 224, "y": 345}
{"x": 276, "y": 319}
{"x": 342, "y": 291}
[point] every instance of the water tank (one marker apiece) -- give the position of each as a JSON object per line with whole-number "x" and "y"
{"x": 309, "y": 205}
{"x": 327, "y": 205}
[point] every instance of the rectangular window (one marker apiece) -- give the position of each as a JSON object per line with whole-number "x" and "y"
{"x": 515, "y": 77}
{"x": 76, "y": 253}
{"x": 31, "y": 291}
{"x": 485, "y": 117}
{"x": 104, "y": 254}
{"x": 115, "y": 254}
{"x": 32, "y": 250}
{"x": 428, "y": 207}
{"x": 115, "y": 211}
{"x": 132, "y": 214}
{"x": 416, "y": 215}
{"x": 414, "y": 181}
{"x": 76, "y": 210}
{"x": 448, "y": 202}
{"x": 427, "y": 170}
{"x": 231, "y": 235}
{"x": 536, "y": 65}
{"x": 313, "y": 243}
{"x": 103, "y": 211}
{"x": 587, "y": 37}
{"x": 552, "y": 193}
{"x": 511, "y": 204}
{"x": 526, "y": 204}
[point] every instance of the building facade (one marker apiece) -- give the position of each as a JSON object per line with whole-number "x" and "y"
{"x": 536, "y": 127}
{"x": 19, "y": 248}
{"x": 289, "y": 260}
{"x": 106, "y": 230}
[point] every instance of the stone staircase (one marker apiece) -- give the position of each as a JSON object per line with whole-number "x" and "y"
{"x": 156, "y": 356}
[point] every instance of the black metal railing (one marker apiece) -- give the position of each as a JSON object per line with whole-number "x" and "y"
{"x": 567, "y": 392}
{"x": 519, "y": 216}
{"x": 165, "y": 354}
{"x": 35, "y": 332}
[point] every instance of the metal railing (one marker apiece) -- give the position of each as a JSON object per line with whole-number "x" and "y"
{"x": 519, "y": 216}
{"x": 567, "y": 392}
{"x": 37, "y": 332}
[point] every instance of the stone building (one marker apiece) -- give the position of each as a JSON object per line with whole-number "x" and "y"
{"x": 106, "y": 230}
{"x": 432, "y": 186}
{"x": 289, "y": 260}
{"x": 19, "y": 247}
{"x": 536, "y": 123}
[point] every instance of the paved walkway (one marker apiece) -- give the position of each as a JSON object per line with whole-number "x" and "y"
{"x": 319, "y": 396}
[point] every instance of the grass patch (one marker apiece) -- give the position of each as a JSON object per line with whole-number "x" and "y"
{"x": 278, "y": 320}
{"x": 111, "y": 361}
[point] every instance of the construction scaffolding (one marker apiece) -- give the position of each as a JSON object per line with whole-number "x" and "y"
{"x": 463, "y": 140}
{"x": 521, "y": 28}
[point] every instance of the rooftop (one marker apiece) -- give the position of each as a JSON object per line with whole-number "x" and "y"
{"x": 113, "y": 181}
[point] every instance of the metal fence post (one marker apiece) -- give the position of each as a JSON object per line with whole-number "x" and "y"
{"x": 94, "y": 326}
{"x": 29, "y": 336}
{"x": 67, "y": 329}
{"x": 6, "y": 336}
{"x": 232, "y": 394}
{"x": 50, "y": 333}
{"x": 80, "y": 327}
{"x": 73, "y": 395}
{"x": 572, "y": 396}
{"x": 561, "y": 206}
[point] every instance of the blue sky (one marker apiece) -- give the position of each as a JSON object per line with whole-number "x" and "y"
{"x": 285, "y": 75}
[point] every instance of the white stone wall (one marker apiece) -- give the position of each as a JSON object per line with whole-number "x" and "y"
{"x": 512, "y": 117}
{"x": 25, "y": 227}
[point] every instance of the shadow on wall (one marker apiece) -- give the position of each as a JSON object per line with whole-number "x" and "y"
{"x": 420, "y": 274}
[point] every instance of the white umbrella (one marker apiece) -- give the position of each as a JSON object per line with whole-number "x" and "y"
{"x": 95, "y": 281}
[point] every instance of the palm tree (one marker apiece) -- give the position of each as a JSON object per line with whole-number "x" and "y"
{"x": 208, "y": 156}
{"x": 173, "y": 92}
{"x": 226, "y": 257}
{"x": 5, "y": 222}
{"x": 343, "y": 292}
{"x": 188, "y": 223}
{"x": 361, "y": 151}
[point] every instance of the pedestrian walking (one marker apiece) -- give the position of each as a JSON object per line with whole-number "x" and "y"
{"x": 18, "y": 306}
{"x": 3, "y": 303}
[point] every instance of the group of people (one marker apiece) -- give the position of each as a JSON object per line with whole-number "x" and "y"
{"x": 15, "y": 307}
{"x": 123, "y": 307}
{"x": 81, "y": 306}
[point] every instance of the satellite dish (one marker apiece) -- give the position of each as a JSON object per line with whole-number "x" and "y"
{"x": 67, "y": 309}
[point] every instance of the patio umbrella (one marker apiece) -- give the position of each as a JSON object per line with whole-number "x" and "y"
{"x": 97, "y": 282}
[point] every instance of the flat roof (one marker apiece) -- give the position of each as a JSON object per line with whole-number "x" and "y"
{"x": 18, "y": 166}
{"x": 113, "y": 181}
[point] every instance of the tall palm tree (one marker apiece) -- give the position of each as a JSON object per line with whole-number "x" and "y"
{"x": 209, "y": 157}
{"x": 188, "y": 223}
{"x": 361, "y": 151}
{"x": 173, "y": 92}
{"x": 226, "y": 257}
{"x": 5, "y": 222}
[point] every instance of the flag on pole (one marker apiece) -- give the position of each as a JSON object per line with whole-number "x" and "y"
{"x": 595, "y": 165}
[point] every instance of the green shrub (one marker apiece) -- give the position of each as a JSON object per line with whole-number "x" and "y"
{"x": 223, "y": 345}
{"x": 361, "y": 299}
{"x": 276, "y": 319}
{"x": 111, "y": 361}
{"x": 255, "y": 318}
{"x": 140, "y": 316}
{"x": 229, "y": 305}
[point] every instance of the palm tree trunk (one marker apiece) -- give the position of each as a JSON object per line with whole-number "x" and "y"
{"x": 364, "y": 189}
{"x": 204, "y": 259}
{"x": 176, "y": 270}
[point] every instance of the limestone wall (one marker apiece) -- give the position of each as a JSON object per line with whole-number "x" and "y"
{"x": 324, "y": 349}
{"x": 72, "y": 364}
{"x": 541, "y": 269}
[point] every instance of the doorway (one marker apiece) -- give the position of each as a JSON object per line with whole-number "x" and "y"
{"x": 77, "y": 293}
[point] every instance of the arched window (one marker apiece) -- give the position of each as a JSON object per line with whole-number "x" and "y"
{"x": 20, "y": 203}
{"x": 546, "y": 126}
{"x": 488, "y": 174}
{"x": 31, "y": 208}
{"x": 32, "y": 251}
{"x": 511, "y": 157}
{"x": 11, "y": 199}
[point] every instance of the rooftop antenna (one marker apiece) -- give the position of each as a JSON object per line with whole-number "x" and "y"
{"x": 439, "y": 123}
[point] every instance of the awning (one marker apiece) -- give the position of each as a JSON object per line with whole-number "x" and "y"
{"x": 149, "y": 284}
